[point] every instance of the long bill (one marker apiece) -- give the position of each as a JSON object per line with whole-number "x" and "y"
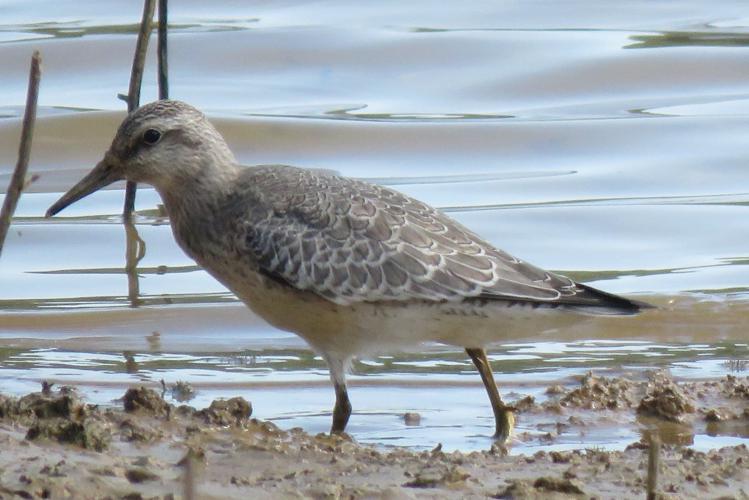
{"x": 103, "y": 174}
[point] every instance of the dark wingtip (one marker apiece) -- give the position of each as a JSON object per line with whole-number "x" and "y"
{"x": 623, "y": 304}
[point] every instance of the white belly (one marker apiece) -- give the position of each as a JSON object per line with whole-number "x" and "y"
{"x": 375, "y": 328}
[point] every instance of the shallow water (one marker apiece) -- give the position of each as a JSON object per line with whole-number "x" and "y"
{"x": 607, "y": 143}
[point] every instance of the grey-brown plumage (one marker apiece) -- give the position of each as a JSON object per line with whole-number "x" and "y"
{"x": 350, "y": 241}
{"x": 350, "y": 266}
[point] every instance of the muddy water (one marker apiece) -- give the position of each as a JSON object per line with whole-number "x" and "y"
{"x": 607, "y": 143}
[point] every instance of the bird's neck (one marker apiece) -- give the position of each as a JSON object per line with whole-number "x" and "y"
{"x": 198, "y": 183}
{"x": 194, "y": 207}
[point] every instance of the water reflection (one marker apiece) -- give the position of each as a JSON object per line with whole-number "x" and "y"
{"x": 539, "y": 361}
{"x": 135, "y": 251}
{"x": 291, "y": 387}
{"x": 79, "y": 29}
{"x": 689, "y": 39}
{"x": 131, "y": 366}
{"x": 154, "y": 342}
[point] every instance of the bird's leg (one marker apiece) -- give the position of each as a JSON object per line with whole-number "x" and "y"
{"x": 503, "y": 417}
{"x": 342, "y": 408}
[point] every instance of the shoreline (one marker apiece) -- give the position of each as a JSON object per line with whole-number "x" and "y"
{"x": 56, "y": 446}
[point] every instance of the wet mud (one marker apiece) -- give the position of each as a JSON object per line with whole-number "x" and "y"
{"x": 55, "y": 445}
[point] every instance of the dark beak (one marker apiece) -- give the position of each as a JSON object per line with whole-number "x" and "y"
{"x": 103, "y": 174}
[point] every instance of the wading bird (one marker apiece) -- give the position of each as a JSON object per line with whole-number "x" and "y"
{"x": 353, "y": 268}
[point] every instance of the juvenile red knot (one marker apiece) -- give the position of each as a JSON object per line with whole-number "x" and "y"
{"x": 351, "y": 267}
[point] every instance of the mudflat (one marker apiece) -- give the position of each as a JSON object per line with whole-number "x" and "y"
{"x": 57, "y": 446}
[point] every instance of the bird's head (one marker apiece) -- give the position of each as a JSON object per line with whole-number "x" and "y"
{"x": 165, "y": 144}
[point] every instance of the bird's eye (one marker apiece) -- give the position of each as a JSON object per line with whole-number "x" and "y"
{"x": 151, "y": 136}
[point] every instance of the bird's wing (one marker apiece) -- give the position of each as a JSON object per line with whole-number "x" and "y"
{"x": 350, "y": 241}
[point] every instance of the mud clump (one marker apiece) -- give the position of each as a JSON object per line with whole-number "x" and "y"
{"x": 518, "y": 489}
{"x": 144, "y": 400}
{"x": 734, "y": 387}
{"x": 41, "y": 405}
{"x": 131, "y": 430}
{"x": 140, "y": 475}
{"x": 6, "y": 406}
{"x": 88, "y": 433}
{"x": 599, "y": 393}
{"x": 432, "y": 477}
{"x": 525, "y": 404}
{"x": 554, "y": 390}
{"x": 60, "y": 416}
{"x": 225, "y": 412}
{"x": 665, "y": 400}
{"x": 719, "y": 415}
{"x": 543, "y": 487}
{"x": 50, "y": 406}
{"x": 566, "y": 486}
{"x": 560, "y": 457}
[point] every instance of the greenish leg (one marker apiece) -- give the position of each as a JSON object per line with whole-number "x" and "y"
{"x": 342, "y": 408}
{"x": 503, "y": 416}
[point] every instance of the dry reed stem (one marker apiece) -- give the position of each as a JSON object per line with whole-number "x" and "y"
{"x": 163, "y": 59}
{"x": 18, "y": 180}
{"x": 133, "y": 93}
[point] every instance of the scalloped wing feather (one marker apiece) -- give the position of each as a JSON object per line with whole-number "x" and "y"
{"x": 350, "y": 241}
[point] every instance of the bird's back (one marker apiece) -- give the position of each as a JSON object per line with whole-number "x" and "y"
{"x": 349, "y": 241}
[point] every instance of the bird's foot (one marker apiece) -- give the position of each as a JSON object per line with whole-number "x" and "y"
{"x": 341, "y": 434}
{"x": 505, "y": 424}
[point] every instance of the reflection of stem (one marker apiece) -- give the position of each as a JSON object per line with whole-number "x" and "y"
{"x": 653, "y": 466}
{"x": 135, "y": 250}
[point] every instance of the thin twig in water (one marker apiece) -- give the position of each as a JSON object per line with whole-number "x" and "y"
{"x": 18, "y": 180}
{"x": 135, "y": 246}
{"x": 163, "y": 60}
{"x": 136, "y": 78}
